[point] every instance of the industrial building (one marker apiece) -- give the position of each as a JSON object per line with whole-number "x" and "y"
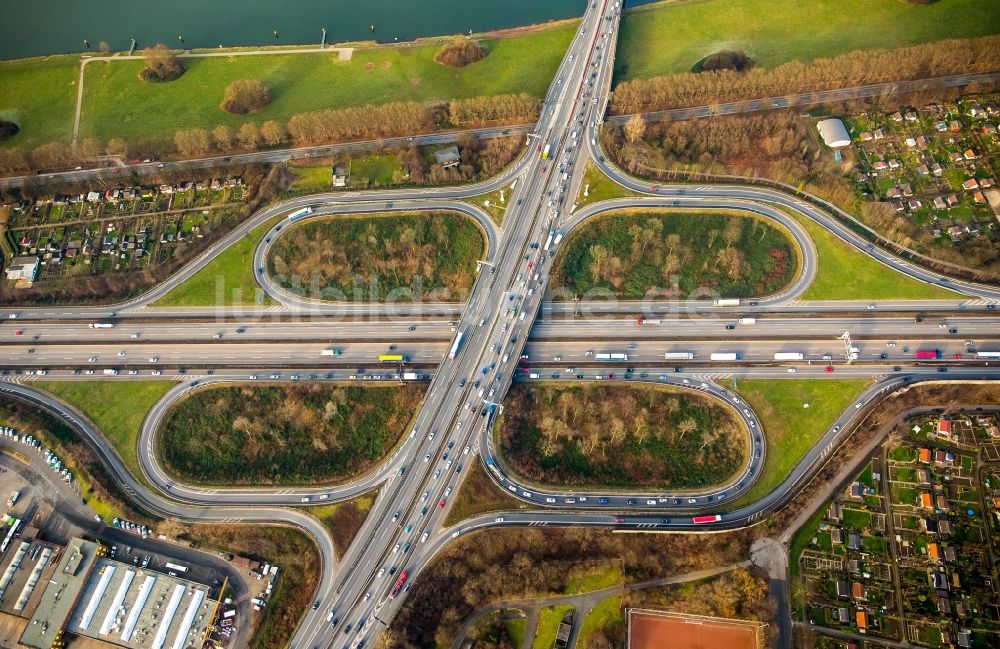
{"x": 77, "y": 590}
{"x": 834, "y": 133}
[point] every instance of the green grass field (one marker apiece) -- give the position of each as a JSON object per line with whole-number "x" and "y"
{"x": 605, "y": 614}
{"x": 790, "y": 429}
{"x": 776, "y": 32}
{"x": 548, "y": 625}
{"x": 39, "y": 95}
{"x": 599, "y": 187}
{"x": 801, "y": 540}
{"x": 117, "y": 408}
{"x": 846, "y": 274}
{"x": 117, "y": 102}
{"x": 516, "y": 626}
{"x": 595, "y": 579}
{"x": 229, "y": 275}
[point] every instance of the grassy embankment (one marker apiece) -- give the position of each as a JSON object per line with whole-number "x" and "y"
{"x": 284, "y": 434}
{"x": 96, "y": 488}
{"x": 377, "y": 258}
{"x": 343, "y": 520}
{"x": 656, "y": 436}
{"x": 599, "y": 188}
{"x": 478, "y": 495}
{"x": 117, "y": 408}
{"x": 549, "y": 619}
{"x": 844, "y": 273}
{"x": 606, "y": 615}
{"x": 227, "y": 280}
{"x": 790, "y": 429}
{"x": 631, "y": 252}
{"x": 685, "y": 33}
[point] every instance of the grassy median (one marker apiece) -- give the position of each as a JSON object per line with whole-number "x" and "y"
{"x": 844, "y": 273}
{"x": 790, "y": 428}
{"x": 118, "y": 408}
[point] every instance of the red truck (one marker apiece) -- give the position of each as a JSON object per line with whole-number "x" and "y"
{"x": 400, "y": 582}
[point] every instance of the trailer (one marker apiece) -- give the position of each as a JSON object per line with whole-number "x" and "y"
{"x": 678, "y": 356}
{"x": 298, "y": 214}
{"x": 455, "y": 345}
{"x": 726, "y": 301}
{"x": 789, "y": 356}
{"x": 558, "y": 238}
{"x": 548, "y": 240}
{"x": 610, "y": 357}
{"x": 175, "y": 567}
{"x": 726, "y": 356}
{"x": 400, "y": 582}
{"x": 701, "y": 520}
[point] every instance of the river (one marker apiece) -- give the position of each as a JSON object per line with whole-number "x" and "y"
{"x": 43, "y": 27}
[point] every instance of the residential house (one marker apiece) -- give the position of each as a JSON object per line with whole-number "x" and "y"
{"x": 859, "y": 592}
{"x": 925, "y": 500}
{"x": 941, "y": 502}
{"x": 842, "y": 590}
{"x": 862, "y": 620}
{"x": 939, "y": 203}
{"x": 24, "y": 267}
{"x": 923, "y": 169}
{"x": 944, "y": 428}
{"x": 448, "y": 157}
{"x": 915, "y": 204}
{"x": 941, "y": 126}
{"x": 93, "y": 197}
{"x": 910, "y": 116}
{"x": 933, "y": 551}
{"x": 979, "y": 197}
{"x": 834, "y": 512}
{"x": 969, "y": 154}
{"x": 906, "y": 190}
{"x": 951, "y": 200}
{"x": 837, "y": 536}
{"x": 964, "y": 638}
{"x": 892, "y": 192}
{"x": 853, "y": 541}
{"x": 937, "y": 169}
{"x": 924, "y": 455}
{"x": 880, "y": 165}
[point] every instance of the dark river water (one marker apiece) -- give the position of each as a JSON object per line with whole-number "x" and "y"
{"x": 44, "y": 27}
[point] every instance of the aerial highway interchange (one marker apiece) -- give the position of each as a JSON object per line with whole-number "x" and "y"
{"x": 471, "y": 353}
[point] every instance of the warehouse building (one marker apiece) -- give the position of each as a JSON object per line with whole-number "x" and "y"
{"x": 834, "y": 133}
{"x": 118, "y": 603}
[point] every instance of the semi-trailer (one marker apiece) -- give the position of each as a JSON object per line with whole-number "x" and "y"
{"x": 330, "y": 352}
{"x": 101, "y": 325}
{"x": 726, "y": 356}
{"x": 747, "y": 321}
{"x": 987, "y": 355}
{"x": 726, "y": 301}
{"x": 298, "y": 214}
{"x": 928, "y": 354}
{"x": 455, "y": 345}
{"x": 678, "y": 356}
{"x": 410, "y": 376}
{"x": 611, "y": 357}
{"x": 789, "y": 356}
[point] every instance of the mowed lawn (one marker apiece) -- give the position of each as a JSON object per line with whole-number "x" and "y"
{"x": 39, "y": 95}
{"x": 671, "y": 37}
{"x": 790, "y": 429}
{"x": 227, "y": 280}
{"x": 845, "y": 273}
{"x": 118, "y": 408}
{"x": 117, "y": 103}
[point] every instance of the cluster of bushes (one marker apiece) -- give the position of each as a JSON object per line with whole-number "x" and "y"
{"x": 161, "y": 65}
{"x": 284, "y": 434}
{"x": 652, "y": 437}
{"x": 460, "y": 52}
{"x": 245, "y": 96}
{"x": 379, "y": 258}
{"x": 678, "y": 254}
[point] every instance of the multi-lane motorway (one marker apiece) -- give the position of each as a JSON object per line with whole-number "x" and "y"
{"x": 472, "y": 352}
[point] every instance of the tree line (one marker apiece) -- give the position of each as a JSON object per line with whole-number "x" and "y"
{"x": 311, "y": 128}
{"x": 850, "y": 69}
